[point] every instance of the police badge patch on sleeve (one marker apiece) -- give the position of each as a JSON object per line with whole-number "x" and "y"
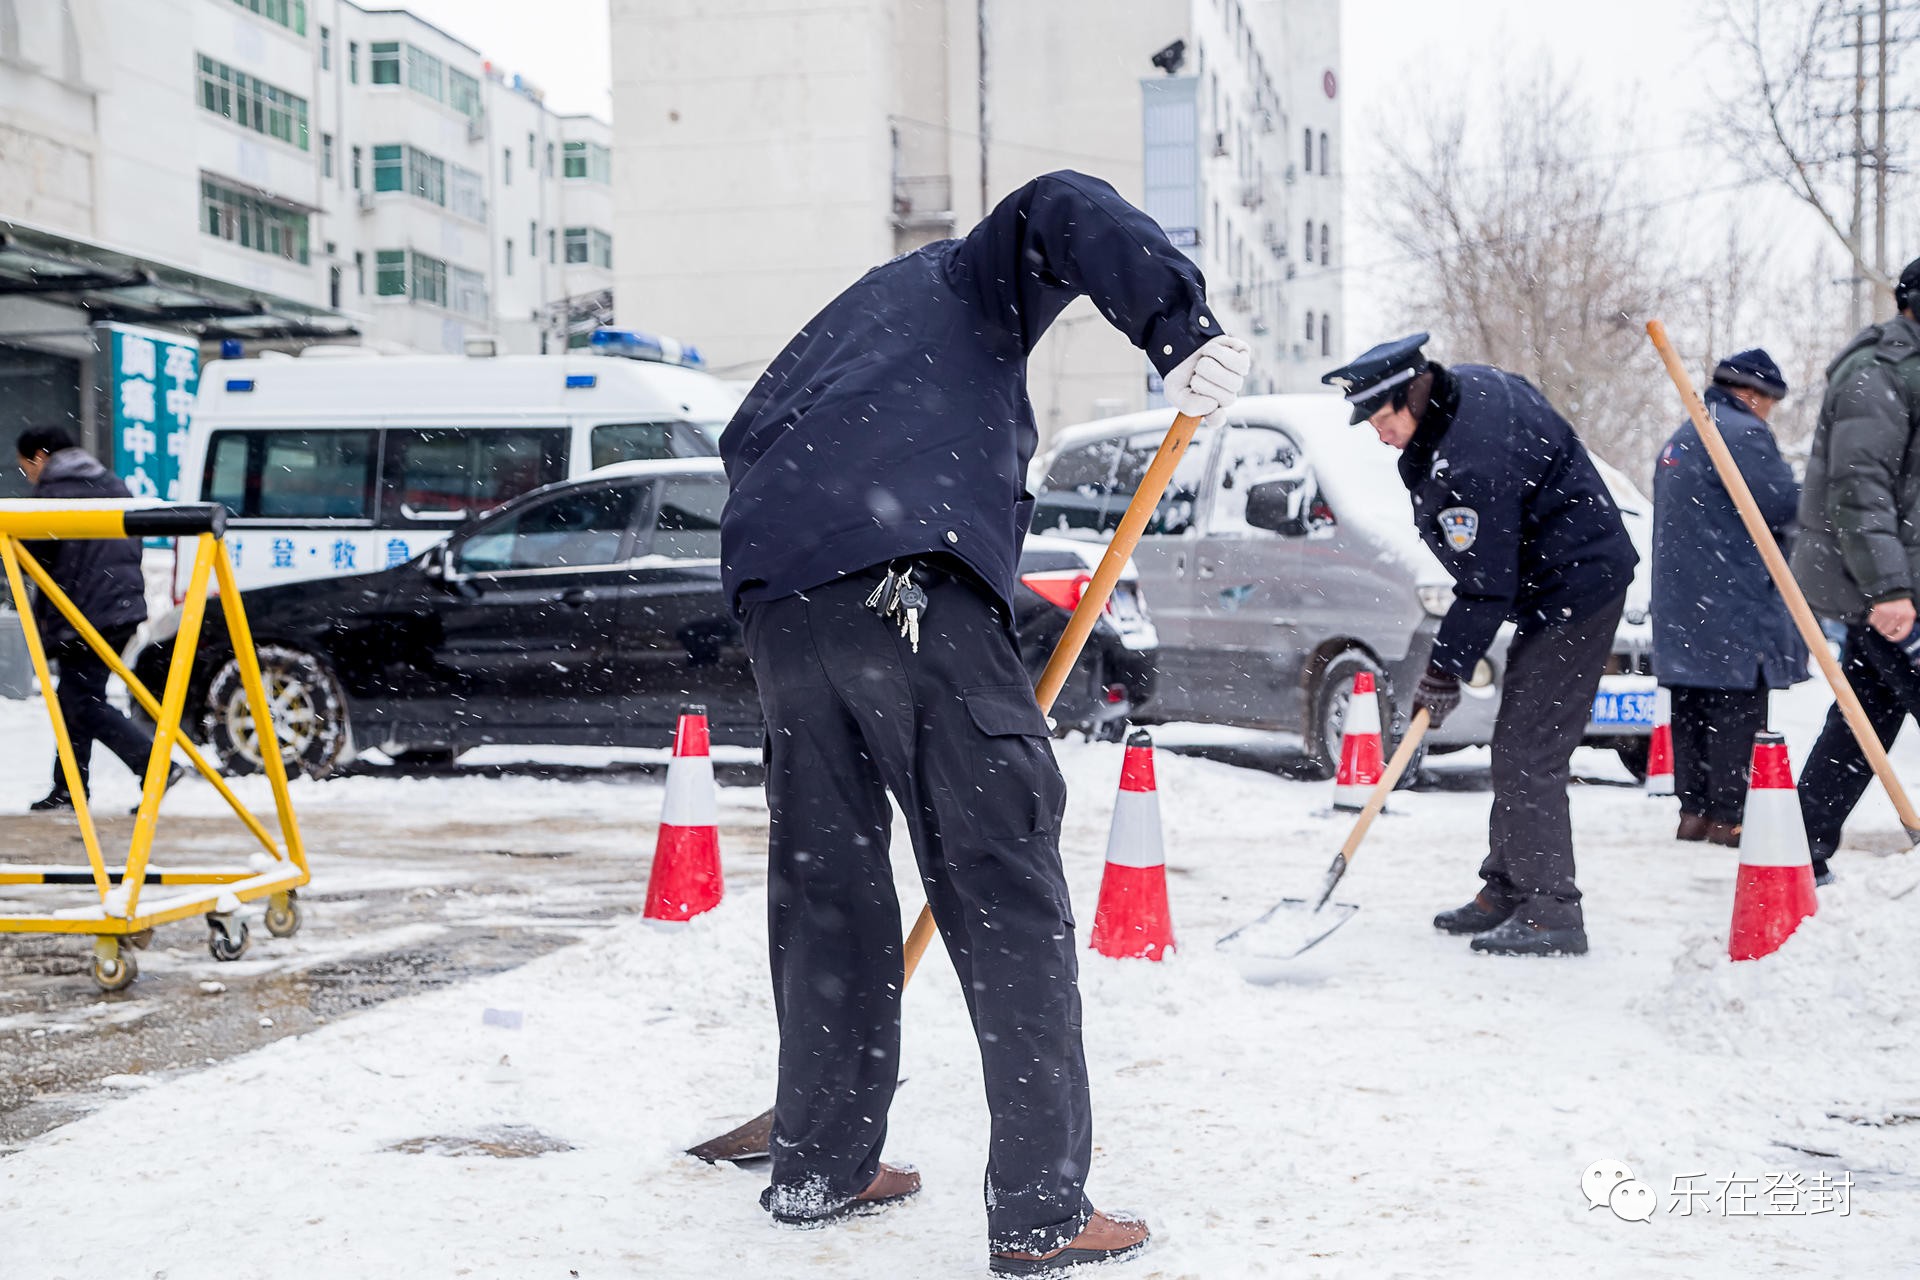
{"x": 1460, "y": 526}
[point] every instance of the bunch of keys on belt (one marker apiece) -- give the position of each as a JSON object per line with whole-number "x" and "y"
{"x": 900, "y": 599}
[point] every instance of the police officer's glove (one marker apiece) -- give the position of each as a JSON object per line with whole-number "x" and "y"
{"x": 1210, "y": 379}
{"x": 1439, "y": 693}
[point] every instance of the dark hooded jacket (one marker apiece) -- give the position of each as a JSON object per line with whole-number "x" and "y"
{"x": 1718, "y": 620}
{"x": 101, "y": 576}
{"x": 1859, "y": 540}
{"x": 897, "y": 422}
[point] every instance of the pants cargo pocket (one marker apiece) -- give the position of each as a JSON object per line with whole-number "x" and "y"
{"x": 1018, "y": 790}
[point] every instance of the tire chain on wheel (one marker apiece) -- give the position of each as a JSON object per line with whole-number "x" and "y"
{"x": 322, "y": 750}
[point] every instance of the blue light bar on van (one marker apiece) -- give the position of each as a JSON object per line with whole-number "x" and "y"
{"x": 237, "y": 385}
{"x": 581, "y": 380}
{"x": 637, "y": 345}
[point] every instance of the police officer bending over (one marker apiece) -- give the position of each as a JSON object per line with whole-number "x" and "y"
{"x": 1506, "y": 496}
{"x": 870, "y": 539}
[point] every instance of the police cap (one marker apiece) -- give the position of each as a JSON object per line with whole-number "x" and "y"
{"x": 1368, "y": 382}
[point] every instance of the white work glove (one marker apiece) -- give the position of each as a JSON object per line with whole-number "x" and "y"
{"x": 1210, "y": 379}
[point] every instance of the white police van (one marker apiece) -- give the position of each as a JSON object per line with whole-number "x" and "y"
{"x": 340, "y": 461}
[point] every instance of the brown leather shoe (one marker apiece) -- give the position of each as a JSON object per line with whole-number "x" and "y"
{"x": 1724, "y": 833}
{"x": 1693, "y": 826}
{"x": 894, "y": 1183}
{"x": 1107, "y": 1237}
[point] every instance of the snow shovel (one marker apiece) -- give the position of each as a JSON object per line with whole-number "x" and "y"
{"x": 750, "y": 1141}
{"x": 1294, "y": 926}
{"x": 1769, "y": 547}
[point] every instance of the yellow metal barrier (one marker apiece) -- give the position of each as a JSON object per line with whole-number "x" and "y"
{"x": 121, "y": 921}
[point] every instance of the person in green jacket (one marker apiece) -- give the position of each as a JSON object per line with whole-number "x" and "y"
{"x": 1858, "y": 555}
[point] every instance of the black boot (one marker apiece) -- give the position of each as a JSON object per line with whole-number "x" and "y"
{"x": 52, "y": 802}
{"x": 1478, "y": 916}
{"x": 1520, "y": 937}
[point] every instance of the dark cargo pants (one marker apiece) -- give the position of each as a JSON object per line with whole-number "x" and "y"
{"x": 853, "y": 713}
{"x": 1545, "y": 703}
{"x": 82, "y": 694}
{"x": 1713, "y": 732}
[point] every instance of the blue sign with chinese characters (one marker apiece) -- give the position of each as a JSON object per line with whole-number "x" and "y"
{"x": 151, "y": 379}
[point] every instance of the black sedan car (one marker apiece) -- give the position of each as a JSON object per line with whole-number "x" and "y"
{"x": 584, "y": 613}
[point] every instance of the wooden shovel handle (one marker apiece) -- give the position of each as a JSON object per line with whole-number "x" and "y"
{"x": 1402, "y": 757}
{"x": 1769, "y": 548}
{"x": 1072, "y": 640}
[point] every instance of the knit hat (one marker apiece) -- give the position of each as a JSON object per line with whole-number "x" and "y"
{"x": 1907, "y": 295}
{"x": 1754, "y": 369}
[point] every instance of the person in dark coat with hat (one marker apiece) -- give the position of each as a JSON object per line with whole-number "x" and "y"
{"x": 103, "y": 579}
{"x": 1722, "y": 637}
{"x": 1857, "y": 551}
{"x": 870, "y": 538}
{"x": 1508, "y": 500}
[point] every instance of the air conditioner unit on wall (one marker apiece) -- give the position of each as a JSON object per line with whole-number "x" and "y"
{"x": 1251, "y": 195}
{"x": 1220, "y": 145}
{"x": 366, "y": 202}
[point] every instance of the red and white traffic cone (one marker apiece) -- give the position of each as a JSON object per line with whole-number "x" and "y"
{"x": 1660, "y": 746}
{"x": 1775, "y": 890}
{"x": 1361, "y": 759}
{"x": 685, "y": 880}
{"x": 1132, "y": 920}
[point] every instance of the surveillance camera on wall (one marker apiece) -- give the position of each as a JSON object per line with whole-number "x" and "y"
{"x": 1172, "y": 58}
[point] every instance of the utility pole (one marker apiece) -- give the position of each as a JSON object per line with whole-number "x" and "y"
{"x": 1883, "y": 293}
{"x": 1856, "y": 307}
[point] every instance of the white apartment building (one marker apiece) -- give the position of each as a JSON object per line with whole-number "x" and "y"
{"x": 770, "y": 153}
{"x": 278, "y": 171}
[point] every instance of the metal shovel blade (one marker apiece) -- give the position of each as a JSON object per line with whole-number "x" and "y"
{"x": 1289, "y": 928}
{"x": 747, "y": 1144}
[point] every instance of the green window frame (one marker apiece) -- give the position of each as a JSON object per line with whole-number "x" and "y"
{"x": 426, "y": 74}
{"x": 383, "y": 62}
{"x": 463, "y": 93}
{"x": 589, "y": 160}
{"x": 390, "y": 273}
{"x": 251, "y": 222}
{"x": 252, "y": 103}
{"x": 291, "y": 14}
{"x": 427, "y": 279}
{"x": 426, "y": 176}
{"x": 390, "y": 167}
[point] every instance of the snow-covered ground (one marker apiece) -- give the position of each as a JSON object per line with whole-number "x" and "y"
{"x": 1395, "y": 1107}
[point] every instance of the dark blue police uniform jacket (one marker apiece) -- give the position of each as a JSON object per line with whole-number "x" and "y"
{"x": 1718, "y": 620}
{"x": 897, "y": 422}
{"x": 1506, "y": 496}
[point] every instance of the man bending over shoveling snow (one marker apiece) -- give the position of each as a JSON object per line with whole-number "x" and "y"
{"x": 869, "y": 542}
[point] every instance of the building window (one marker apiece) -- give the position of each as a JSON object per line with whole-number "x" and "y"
{"x": 1309, "y": 151}
{"x": 326, "y": 155}
{"x": 252, "y": 103}
{"x": 508, "y": 256}
{"x": 333, "y": 287}
{"x": 291, "y": 14}
{"x": 356, "y": 168}
{"x": 533, "y": 152}
{"x": 1309, "y": 326}
{"x": 466, "y": 292}
{"x": 1326, "y": 258}
{"x": 390, "y": 168}
{"x": 1326, "y": 334}
{"x": 552, "y": 240}
{"x": 384, "y": 57}
{"x": 467, "y": 194}
{"x": 390, "y": 273}
{"x": 360, "y": 273}
{"x": 1306, "y": 247}
{"x": 252, "y": 223}
{"x": 425, "y": 74}
{"x": 506, "y": 166}
{"x": 353, "y": 62}
{"x": 428, "y": 279}
{"x": 326, "y": 57}
{"x": 427, "y": 177}
{"x": 549, "y": 159}
{"x": 533, "y": 240}
{"x": 1326, "y": 164}
{"x": 463, "y": 93}
{"x": 589, "y": 160}
{"x": 589, "y": 245}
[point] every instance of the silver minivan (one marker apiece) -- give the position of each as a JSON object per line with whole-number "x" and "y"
{"x": 1283, "y": 561}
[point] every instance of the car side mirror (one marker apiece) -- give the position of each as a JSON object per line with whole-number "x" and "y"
{"x": 1278, "y": 505}
{"x": 438, "y": 562}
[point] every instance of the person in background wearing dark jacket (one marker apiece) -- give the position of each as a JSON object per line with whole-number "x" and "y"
{"x": 102, "y": 577}
{"x": 1506, "y": 497}
{"x": 1722, "y": 637}
{"x": 1857, "y": 555}
{"x": 876, "y": 514}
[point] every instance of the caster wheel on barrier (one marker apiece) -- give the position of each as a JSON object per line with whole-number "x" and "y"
{"x": 115, "y": 973}
{"x": 227, "y": 938}
{"x": 142, "y": 939}
{"x": 284, "y": 921}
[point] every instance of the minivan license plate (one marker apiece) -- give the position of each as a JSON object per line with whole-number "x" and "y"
{"x": 1619, "y": 709}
